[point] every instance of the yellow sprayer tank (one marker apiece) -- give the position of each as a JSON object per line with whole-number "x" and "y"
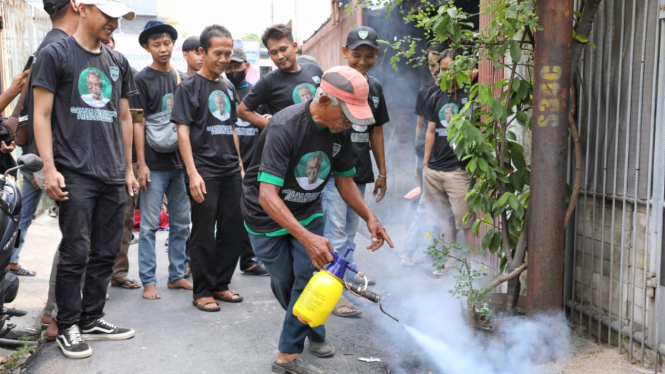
{"x": 318, "y": 299}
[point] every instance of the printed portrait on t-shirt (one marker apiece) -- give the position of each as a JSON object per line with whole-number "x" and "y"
{"x": 94, "y": 87}
{"x": 219, "y": 105}
{"x": 303, "y": 92}
{"x": 312, "y": 170}
{"x": 167, "y": 102}
{"x": 446, "y": 113}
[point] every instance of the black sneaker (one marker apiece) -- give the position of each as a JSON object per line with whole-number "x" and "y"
{"x": 102, "y": 330}
{"x": 70, "y": 342}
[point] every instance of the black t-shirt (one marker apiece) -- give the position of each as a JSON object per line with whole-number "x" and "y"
{"x": 440, "y": 109}
{"x": 278, "y": 90}
{"x": 208, "y": 109}
{"x": 28, "y": 104}
{"x": 298, "y": 155}
{"x": 247, "y": 133}
{"x": 360, "y": 139}
{"x": 421, "y": 110}
{"x": 156, "y": 94}
{"x": 87, "y": 87}
{"x": 134, "y": 103}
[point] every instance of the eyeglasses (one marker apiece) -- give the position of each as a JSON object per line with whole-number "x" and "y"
{"x": 346, "y": 119}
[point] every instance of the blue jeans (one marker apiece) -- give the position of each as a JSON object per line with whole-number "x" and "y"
{"x": 290, "y": 269}
{"x": 419, "y": 226}
{"x": 31, "y": 197}
{"x": 171, "y": 183}
{"x": 341, "y": 222}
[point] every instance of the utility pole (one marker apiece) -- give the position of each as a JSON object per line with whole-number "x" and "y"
{"x": 551, "y": 91}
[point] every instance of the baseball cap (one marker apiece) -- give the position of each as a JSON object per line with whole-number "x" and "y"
{"x": 112, "y": 8}
{"x": 153, "y": 27}
{"x": 53, "y": 6}
{"x": 362, "y": 35}
{"x": 351, "y": 89}
{"x": 239, "y": 55}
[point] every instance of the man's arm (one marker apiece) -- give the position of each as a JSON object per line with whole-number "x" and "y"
{"x": 54, "y": 181}
{"x": 377, "y": 143}
{"x": 351, "y": 195}
{"x": 429, "y": 141}
{"x": 196, "y": 185}
{"x": 255, "y": 119}
{"x": 419, "y": 129}
{"x": 318, "y": 248}
{"x": 139, "y": 144}
{"x": 14, "y": 90}
{"x": 127, "y": 136}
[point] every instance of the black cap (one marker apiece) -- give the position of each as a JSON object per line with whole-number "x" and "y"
{"x": 191, "y": 44}
{"x": 239, "y": 55}
{"x": 156, "y": 27}
{"x": 362, "y": 35}
{"x": 53, "y": 6}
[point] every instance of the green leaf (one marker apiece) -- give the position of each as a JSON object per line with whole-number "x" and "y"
{"x": 592, "y": 45}
{"x": 522, "y": 118}
{"x": 504, "y": 198}
{"x": 487, "y": 239}
{"x": 495, "y": 243}
{"x": 518, "y": 159}
{"x": 582, "y": 38}
{"x": 514, "y": 203}
{"x": 578, "y": 14}
{"x": 498, "y": 111}
{"x": 482, "y": 164}
{"x": 516, "y": 84}
{"x": 457, "y": 33}
{"x": 485, "y": 94}
{"x": 515, "y": 51}
{"x": 471, "y": 167}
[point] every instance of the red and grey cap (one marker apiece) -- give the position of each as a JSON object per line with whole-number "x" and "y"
{"x": 351, "y": 89}
{"x": 112, "y": 8}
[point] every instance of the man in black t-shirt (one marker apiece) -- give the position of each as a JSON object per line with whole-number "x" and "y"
{"x": 361, "y": 50}
{"x": 160, "y": 173}
{"x": 418, "y": 227}
{"x": 209, "y": 149}
{"x": 445, "y": 179}
{"x": 284, "y": 86}
{"x": 236, "y": 72}
{"x": 87, "y": 167}
{"x": 283, "y": 211}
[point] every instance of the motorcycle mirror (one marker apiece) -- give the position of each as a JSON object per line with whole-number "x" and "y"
{"x": 30, "y": 163}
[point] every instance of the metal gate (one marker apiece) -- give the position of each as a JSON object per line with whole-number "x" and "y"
{"x": 613, "y": 251}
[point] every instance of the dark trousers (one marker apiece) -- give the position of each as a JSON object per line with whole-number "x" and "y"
{"x": 91, "y": 222}
{"x": 290, "y": 270}
{"x": 246, "y": 252}
{"x": 215, "y": 255}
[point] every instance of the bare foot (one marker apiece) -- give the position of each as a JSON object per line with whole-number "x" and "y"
{"x": 283, "y": 358}
{"x": 180, "y": 283}
{"x": 52, "y": 330}
{"x": 46, "y": 319}
{"x": 150, "y": 292}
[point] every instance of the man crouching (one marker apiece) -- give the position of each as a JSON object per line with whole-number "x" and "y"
{"x": 283, "y": 215}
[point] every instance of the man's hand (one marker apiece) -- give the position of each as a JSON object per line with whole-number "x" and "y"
{"x": 4, "y": 148}
{"x": 55, "y": 182}
{"x": 380, "y": 189}
{"x": 144, "y": 177}
{"x": 131, "y": 182}
{"x": 18, "y": 82}
{"x": 318, "y": 248}
{"x": 378, "y": 234}
{"x": 197, "y": 187}
{"x": 267, "y": 116}
{"x": 35, "y": 184}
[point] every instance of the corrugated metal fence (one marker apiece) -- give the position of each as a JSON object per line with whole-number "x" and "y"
{"x": 24, "y": 26}
{"x": 614, "y": 249}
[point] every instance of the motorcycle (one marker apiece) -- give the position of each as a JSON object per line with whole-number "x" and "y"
{"x": 10, "y": 218}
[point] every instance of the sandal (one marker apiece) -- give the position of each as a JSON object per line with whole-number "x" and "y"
{"x": 406, "y": 262}
{"x": 203, "y": 302}
{"x": 345, "y": 303}
{"x": 126, "y": 283}
{"x": 23, "y": 272}
{"x": 227, "y": 300}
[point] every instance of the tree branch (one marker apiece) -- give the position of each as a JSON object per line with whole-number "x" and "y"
{"x": 584, "y": 28}
{"x": 578, "y": 155}
{"x": 520, "y": 250}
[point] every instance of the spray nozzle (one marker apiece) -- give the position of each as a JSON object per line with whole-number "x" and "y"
{"x": 357, "y": 290}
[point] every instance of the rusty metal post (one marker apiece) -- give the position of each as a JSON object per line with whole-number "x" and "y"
{"x": 549, "y": 155}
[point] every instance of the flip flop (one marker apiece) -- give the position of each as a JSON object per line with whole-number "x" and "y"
{"x": 256, "y": 270}
{"x": 23, "y": 272}
{"x": 222, "y": 298}
{"x": 345, "y": 303}
{"x": 202, "y": 307}
{"x": 406, "y": 262}
{"x": 125, "y": 283}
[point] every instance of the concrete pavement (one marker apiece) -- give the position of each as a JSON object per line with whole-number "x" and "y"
{"x": 173, "y": 337}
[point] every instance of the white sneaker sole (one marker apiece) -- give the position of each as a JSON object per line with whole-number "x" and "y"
{"x": 124, "y": 336}
{"x": 69, "y": 354}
